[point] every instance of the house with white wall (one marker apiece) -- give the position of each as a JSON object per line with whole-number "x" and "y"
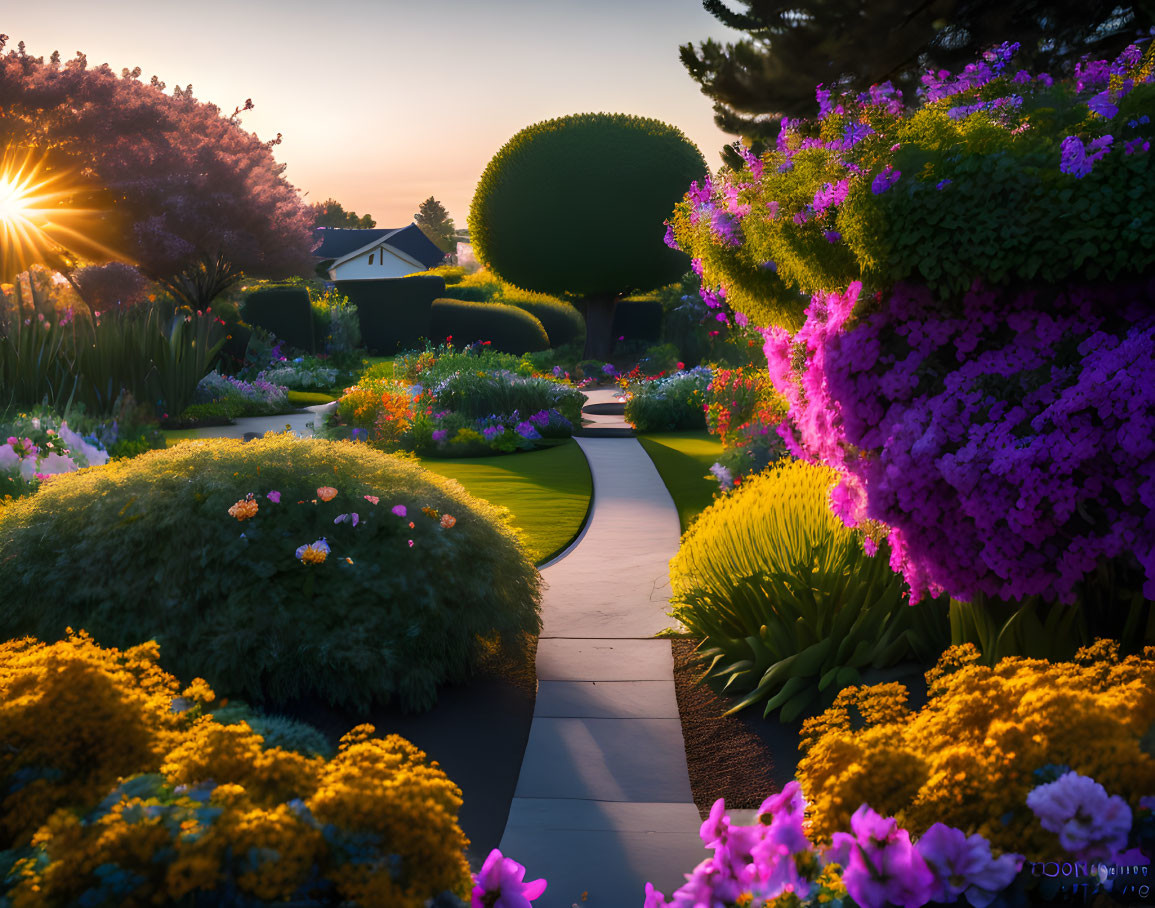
{"x": 376, "y": 253}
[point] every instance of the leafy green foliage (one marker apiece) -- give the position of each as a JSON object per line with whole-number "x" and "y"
{"x": 571, "y": 204}
{"x": 508, "y": 328}
{"x": 789, "y": 606}
{"x": 336, "y": 324}
{"x": 146, "y": 548}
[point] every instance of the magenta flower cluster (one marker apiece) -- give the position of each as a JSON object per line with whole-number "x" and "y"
{"x": 1008, "y": 443}
{"x": 754, "y": 865}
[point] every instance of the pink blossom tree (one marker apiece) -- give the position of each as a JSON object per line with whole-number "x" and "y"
{"x": 186, "y": 194}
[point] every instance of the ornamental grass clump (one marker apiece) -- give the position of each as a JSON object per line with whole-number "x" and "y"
{"x": 277, "y": 569}
{"x": 985, "y": 739}
{"x": 789, "y": 606}
{"x": 117, "y": 791}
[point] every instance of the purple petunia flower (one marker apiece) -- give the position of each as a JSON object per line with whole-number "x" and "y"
{"x": 1090, "y": 824}
{"x": 964, "y": 864}
{"x": 832, "y": 236}
{"x": 399, "y": 510}
{"x": 831, "y": 195}
{"x": 439, "y": 435}
{"x": 886, "y": 178}
{"x": 942, "y": 184}
{"x": 527, "y": 430}
{"x": 491, "y": 432}
{"x": 1101, "y": 104}
{"x": 669, "y": 238}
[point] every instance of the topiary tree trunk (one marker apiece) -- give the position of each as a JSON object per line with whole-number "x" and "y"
{"x": 599, "y": 326}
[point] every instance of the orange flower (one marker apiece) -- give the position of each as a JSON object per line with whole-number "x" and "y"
{"x": 243, "y": 509}
{"x": 326, "y": 493}
{"x": 447, "y": 521}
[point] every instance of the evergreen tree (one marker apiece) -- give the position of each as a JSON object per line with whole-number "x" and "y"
{"x": 795, "y": 45}
{"x": 330, "y": 213}
{"x": 436, "y": 224}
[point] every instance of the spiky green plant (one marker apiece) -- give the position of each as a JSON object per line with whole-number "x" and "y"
{"x": 789, "y": 606}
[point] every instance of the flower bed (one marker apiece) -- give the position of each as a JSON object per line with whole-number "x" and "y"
{"x": 292, "y": 568}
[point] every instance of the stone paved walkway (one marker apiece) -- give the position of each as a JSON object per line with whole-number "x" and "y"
{"x": 299, "y": 423}
{"x": 603, "y": 801}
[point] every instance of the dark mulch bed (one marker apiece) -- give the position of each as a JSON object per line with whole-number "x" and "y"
{"x": 477, "y": 732}
{"x": 742, "y": 758}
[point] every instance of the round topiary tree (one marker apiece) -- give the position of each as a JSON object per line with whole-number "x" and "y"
{"x": 576, "y": 205}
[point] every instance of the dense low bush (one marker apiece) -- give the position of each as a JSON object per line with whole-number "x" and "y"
{"x": 304, "y": 373}
{"x": 133, "y": 795}
{"x": 236, "y": 397}
{"x": 789, "y": 606}
{"x": 336, "y": 322}
{"x": 984, "y": 740}
{"x": 475, "y": 394}
{"x": 41, "y": 445}
{"x": 508, "y": 328}
{"x": 673, "y": 402}
{"x": 277, "y": 569}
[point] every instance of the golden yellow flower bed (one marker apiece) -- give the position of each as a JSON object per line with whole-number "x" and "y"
{"x": 132, "y": 795}
{"x": 968, "y": 757}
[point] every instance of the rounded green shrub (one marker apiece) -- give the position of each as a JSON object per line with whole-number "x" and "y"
{"x": 168, "y": 546}
{"x": 562, "y": 322}
{"x": 576, "y": 204}
{"x": 507, "y": 328}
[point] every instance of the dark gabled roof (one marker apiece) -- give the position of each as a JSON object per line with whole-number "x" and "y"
{"x": 338, "y": 242}
{"x": 412, "y": 241}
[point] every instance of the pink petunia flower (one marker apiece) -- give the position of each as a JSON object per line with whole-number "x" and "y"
{"x": 499, "y": 884}
{"x": 274, "y": 497}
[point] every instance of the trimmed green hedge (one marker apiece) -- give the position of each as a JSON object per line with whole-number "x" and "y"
{"x": 286, "y": 312}
{"x": 394, "y": 312}
{"x": 470, "y": 293}
{"x": 638, "y": 318}
{"x": 562, "y": 322}
{"x": 507, "y": 328}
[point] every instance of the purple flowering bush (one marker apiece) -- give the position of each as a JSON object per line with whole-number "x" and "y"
{"x": 1006, "y": 450}
{"x": 877, "y": 864}
{"x": 879, "y": 188}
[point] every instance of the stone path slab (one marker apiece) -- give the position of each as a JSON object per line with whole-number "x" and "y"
{"x": 606, "y": 700}
{"x": 566, "y": 659}
{"x": 300, "y": 424}
{"x": 603, "y": 801}
{"x": 635, "y": 760}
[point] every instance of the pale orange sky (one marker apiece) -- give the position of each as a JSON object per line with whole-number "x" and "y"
{"x": 383, "y": 104}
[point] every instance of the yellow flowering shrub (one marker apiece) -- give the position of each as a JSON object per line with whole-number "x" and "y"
{"x": 117, "y": 798}
{"x": 74, "y": 718}
{"x": 969, "y": 756}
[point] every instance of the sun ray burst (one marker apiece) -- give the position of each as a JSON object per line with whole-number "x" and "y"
{"x": 38, "y": 221}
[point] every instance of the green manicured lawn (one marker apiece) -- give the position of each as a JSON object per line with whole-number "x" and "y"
{"x": 310, "y": 398}
{"x": 684, "y": 459}
{"x": 548, "y": 491}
